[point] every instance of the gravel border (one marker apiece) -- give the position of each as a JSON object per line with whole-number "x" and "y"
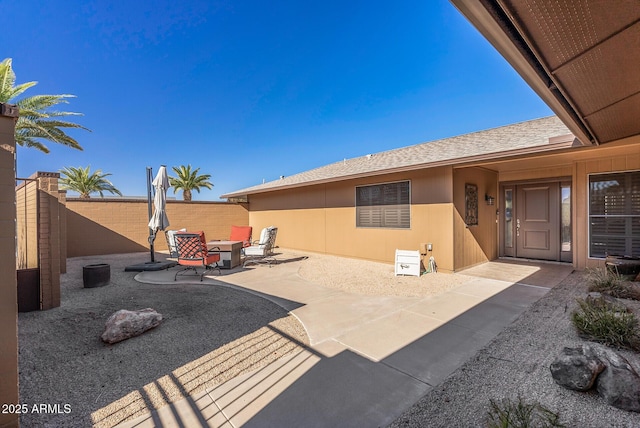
{"x": 516, "y": 364}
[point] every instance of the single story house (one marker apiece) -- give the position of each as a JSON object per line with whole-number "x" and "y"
{"x": 534, "y": 190}
{"x": 529, "y": 190}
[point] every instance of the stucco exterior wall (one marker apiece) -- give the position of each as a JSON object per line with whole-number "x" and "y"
{"x": 322, "y": 218}
{"x": 116, "y": 226}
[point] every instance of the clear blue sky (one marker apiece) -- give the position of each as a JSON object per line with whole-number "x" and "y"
{"x": 251, "y": 90}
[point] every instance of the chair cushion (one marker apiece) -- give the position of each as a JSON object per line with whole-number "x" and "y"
{"x": 264, "y": 236}
{"x": 171, "y": 241}
{"x": 255, "y": 250}
{"x": 241, "y": 233}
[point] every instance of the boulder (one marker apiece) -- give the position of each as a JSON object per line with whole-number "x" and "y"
{"x": 614, "y": 378}
{"x": 618, "y": 383}
{"x": 576, "y": 368}
{"x": 124, "y": 324}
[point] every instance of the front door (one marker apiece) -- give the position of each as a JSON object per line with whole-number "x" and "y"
{"x": 537, "y": 221}
{"x": 531, "y": 221}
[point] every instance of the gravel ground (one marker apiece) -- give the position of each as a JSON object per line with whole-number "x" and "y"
{"x": 516, "y": 364}
{"x": 373, "y": 278}
{"x": 62, "y": 359}
{"x": 209, "y": 334}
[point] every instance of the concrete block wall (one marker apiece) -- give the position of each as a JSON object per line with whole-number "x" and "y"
{"x": 115, "y": 226}
{"x": 49, "y": 241}
{"x": 27, "y": 226}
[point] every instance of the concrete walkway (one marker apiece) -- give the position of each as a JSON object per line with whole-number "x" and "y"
{"x": 370, "y": 357}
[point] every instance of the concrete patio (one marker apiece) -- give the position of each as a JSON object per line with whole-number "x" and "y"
{"x": 370, "y": 357}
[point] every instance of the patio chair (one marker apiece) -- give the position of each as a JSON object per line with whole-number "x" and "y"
{"x": 193, "y": 253}
{"x": 262, "y": 250}
{"x": 241, "y": 233}
{"x": 169, "y": 235}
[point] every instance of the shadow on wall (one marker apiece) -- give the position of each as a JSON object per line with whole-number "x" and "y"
{"x": 474, "y": 244}
{"x": 85, "y": 237}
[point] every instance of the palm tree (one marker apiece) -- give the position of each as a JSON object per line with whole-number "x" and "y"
{"x": 189, "y": 180}
{"x": 36, "y": 122}
{"x": 81, "y": 181}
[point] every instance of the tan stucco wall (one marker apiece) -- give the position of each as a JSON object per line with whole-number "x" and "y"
{"x": 475, "y": 244}
{"x": 115, "y": 226}
{"x": 8, "y": 286}
{"x": 322, "y": 218}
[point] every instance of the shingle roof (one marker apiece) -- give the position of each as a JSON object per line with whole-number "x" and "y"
{"x": 523, "y": 135}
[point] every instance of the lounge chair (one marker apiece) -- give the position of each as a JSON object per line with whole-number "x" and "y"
{"x": 262, "y": 250}
{"x": 193, "y": 253}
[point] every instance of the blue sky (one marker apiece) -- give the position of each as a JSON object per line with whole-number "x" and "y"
{"x": 251, "y": 90}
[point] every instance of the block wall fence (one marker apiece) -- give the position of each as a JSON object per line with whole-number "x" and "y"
{"x": 114, "y": 226}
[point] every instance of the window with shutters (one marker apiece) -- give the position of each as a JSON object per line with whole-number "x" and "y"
{"x": 384, "y": 205}
{"x": 614, "y": 214}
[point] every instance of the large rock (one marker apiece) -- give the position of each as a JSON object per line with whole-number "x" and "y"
{"x": 619, "y": 383}
{"x": 577, "y": 368}
{"x": 614, "y": 378}
{"x": 125, "y": 324}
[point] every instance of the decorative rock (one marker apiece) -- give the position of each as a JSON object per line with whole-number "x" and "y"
{"x": 615, "y": 379}
{"x": 125, "y": 324}
{"x": 577, "y": 368}
{"x": 619, "y": 383}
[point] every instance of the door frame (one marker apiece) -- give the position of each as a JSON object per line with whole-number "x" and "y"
{"x": 565, "y": 252}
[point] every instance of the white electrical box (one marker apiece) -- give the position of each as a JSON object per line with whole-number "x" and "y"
{"x": 407, "y": 262}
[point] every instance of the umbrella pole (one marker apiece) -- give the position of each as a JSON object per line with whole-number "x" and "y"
{"x": 152, "y": 235}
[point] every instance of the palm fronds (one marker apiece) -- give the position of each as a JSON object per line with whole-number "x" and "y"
{"x": 188, "y": 180}
{"x": 37, "y": 122}
{"x": 84, "y": 182}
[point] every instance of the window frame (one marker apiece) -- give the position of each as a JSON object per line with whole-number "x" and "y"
{"x": 590, "y": 216}
{"x": 386, "y": 183}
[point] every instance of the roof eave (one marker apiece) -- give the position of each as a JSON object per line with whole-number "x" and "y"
{"x": 564, "y": 142}
{"x": 488, "y": 18}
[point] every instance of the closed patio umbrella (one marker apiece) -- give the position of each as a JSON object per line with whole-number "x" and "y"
{"x": 159, "y": 219}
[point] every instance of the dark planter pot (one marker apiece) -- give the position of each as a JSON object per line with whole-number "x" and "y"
{"x": 628, "y": 267}
{"x": 28, "y": 289}
{"x": 96, "y": 275}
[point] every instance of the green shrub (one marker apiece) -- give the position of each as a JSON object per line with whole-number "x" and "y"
{"x": 606, "y": 322}
{"x": 607, "y": 282}
{"x": 509, "y": 414}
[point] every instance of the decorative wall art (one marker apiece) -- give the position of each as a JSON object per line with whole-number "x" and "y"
{"x": 471, "y": 204}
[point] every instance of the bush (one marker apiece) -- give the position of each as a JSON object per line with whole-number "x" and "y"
{"x": 605, "y": 322}
{"x": 508, "y": 414}
{"x": 607, "y": 282}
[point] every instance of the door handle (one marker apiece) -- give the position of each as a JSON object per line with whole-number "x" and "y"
{"x": 518, "y": 227}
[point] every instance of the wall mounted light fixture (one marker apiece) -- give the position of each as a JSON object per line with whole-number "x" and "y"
{"x": 490, "y": 200}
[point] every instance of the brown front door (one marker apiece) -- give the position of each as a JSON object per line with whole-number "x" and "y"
{"x": 537, "y": 221}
